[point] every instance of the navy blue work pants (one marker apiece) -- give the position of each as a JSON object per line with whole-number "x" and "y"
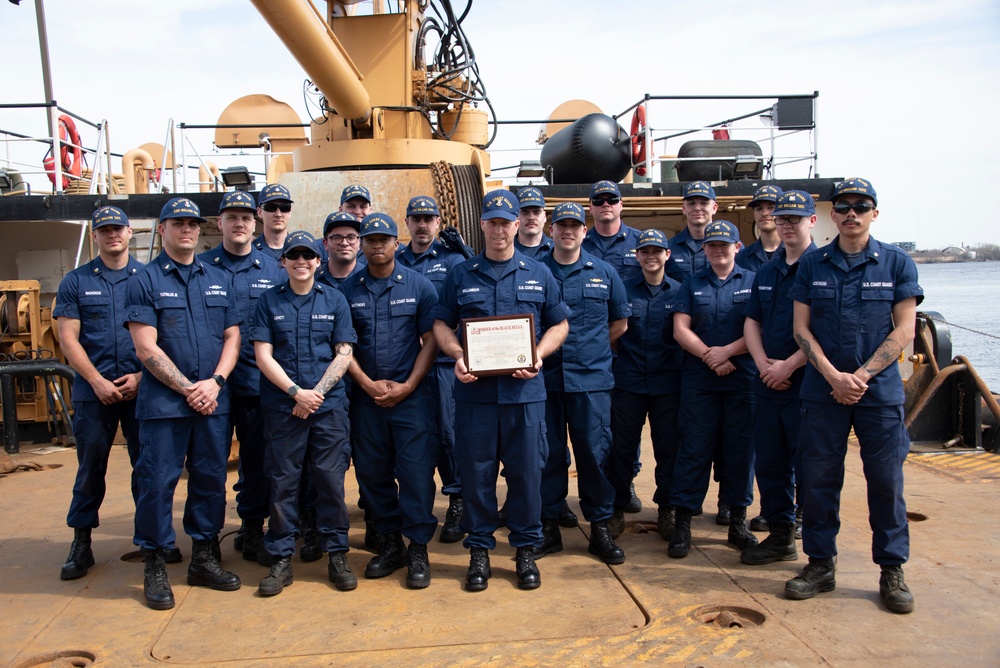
{"x": 441, "y": 379}
{"x": 823, "y": 447}
{"x": 628, "y": 415}
{"x": 776, "y": 435}
{"x": 253, "y": 491}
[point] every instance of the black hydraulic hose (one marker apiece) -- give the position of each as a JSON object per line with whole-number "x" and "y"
{"x": 23, "y": 369}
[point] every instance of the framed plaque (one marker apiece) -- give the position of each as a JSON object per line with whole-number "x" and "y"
{"x": 500, "y": 345}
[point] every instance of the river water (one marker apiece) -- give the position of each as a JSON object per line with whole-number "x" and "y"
{"x": 967, "y": 294}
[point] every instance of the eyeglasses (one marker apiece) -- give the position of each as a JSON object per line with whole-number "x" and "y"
{"x": 271, "y": 207}
{"x": 340, "y": 238}
{"x": 294, "y": 255}
{"x": 601, "y": 201}
{"x": 859, "y": 207}
{"x": 789, "y": 221}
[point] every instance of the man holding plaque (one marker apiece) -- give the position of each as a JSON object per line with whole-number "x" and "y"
{"x": 500, "y": 396}
{"x": 578, "y": 382}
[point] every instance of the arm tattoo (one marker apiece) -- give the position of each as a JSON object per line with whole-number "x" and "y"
{"x": 167, "y": 372}
{"x": 807, "y": 349}
{"x": 334, "y": 372}
{"x": 886, "y": 354}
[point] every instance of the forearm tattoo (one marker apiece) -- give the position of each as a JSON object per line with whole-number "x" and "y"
{"x": 167, "y": 372}
{"x": 335, "y": 371}
{"x": 806, "y": 348}
{"x": 886, "y": 354}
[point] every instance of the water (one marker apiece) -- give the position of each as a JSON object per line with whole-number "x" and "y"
{"x": 966, "y": 294}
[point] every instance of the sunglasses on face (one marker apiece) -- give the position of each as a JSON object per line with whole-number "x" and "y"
{"x": 271, "y": 207}
{"x": 601, "y": 201}
{"x": 294, "y": 255}
{"x": 859, "y": 207}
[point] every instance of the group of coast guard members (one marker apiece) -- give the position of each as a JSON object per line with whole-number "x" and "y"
{"x": 320, "y": 353}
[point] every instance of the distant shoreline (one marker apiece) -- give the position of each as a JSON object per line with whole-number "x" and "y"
{"x": 940, "y": 258}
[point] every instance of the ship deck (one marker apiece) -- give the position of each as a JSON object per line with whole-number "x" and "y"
{"x": 652, "y": 610}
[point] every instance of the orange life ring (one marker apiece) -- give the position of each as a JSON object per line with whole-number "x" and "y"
{"x": 638, "y": 134}
{"x": 71, "y": 153}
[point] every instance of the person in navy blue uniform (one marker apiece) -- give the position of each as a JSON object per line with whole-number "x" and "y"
{"x": 89, "y": 307}
{"x": 303, "y": 336}
{"x": 342, "y": 241}
{"x": 393, "y": 435}
{"x": 531, "y": 240}
{"x": 274, "y": 206}
{"x": 614, "y": 242}
{"x": 501, "y": 418}
{"x": 427, "y": 255}
{"x": 252, "y": 272}
{"x": 855, "y": 313}
{"x": 780, "y": 368}
{"x": 185, "y": 327}
{"x": 578, "y": 382}
{"x": 647, "y": 373}
{"x": 356, "y": 200}
{"x": 769, "y": 240}
{"x": 716, "y": 390}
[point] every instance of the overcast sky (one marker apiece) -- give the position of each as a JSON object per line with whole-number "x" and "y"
{"x": 908, "y": 90}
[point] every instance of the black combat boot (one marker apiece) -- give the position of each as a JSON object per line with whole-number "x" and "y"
{"x": 739, "y": 533}
{"x": 479, "y": 574}
{"x": 528, "y": 576}
{"x": 665, "y": 522}
{"x": 340, "y": 572}
{"x": 310, "y": 537}
{"x": 603, "y": 545}
{"x": 778, "y": 546}
{"x": 418, "y": 567}
{"x": 238, "y": 538}
{"x": 253, "y": 543}
{"x": 616, "y": 525}
{"x": 279, "y": 577}
{"x": 817, "y": 576}
{"x": 502, "y": 516}
{"x": 371, "y": 534}
{"x": 205, "y": 570}
{"x": 551, "y": 539}
{"x": 155, "y": 586}
{"x": 80, "y": 558}
{"x": 723, "y": 516}
{"x": 894, "y": 591}
{"x": 798, "y": 523}
{"x": 567, "y": 518}
{"x": 390, "y": 558}
{"x": 172, "y": 554}
{"x": 450, "y": 531}
{"x": 680, "y": 540}
{"x": 634, "y": 504}
{"x": 759, "y": 524}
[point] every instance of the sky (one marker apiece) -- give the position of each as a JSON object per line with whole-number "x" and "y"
{"x": 905, "y": 97}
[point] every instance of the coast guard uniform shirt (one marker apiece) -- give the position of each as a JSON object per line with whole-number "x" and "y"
{"x": 753, "y": 257}
{"x": 619, "y": 253}
{"x": 686, "y": 256}
{"x": 597, "y": 295}
{"x": 716, "y": 309}
{"x": 649, "y": 360}
{"x": 262, "y": 246}
{"x": 535, "y": 252}
{"x": 434, "y": 264}
{"x": 190, "y": 315}
{"x": 95, "y": 295}
{"x": 304, "y": 331}
{"x": 524, "y": 286}
{"x": 251, "y": 276}
{"x": 851, "y": 313}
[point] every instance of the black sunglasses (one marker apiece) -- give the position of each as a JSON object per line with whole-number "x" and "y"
{"x": 601, "y": 201}
{"x": 859, "y": 207}
{"x": 271, "y": 207}
{"x": 294, "y": 255}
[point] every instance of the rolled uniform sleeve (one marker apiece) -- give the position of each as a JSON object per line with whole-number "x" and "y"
{"x": 619, "y": 307}
{"x": 67, "y": 300}
{"x": 139, "y": 301}
{"x": 556, "y": 310}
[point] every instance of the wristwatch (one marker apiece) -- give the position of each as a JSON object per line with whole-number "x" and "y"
{"x": 220, "y": 379}
{"x": 293, "y": 390}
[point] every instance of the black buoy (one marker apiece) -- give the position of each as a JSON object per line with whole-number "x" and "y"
{"x": 593, "y": 148}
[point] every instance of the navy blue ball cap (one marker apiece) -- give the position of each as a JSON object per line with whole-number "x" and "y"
{"x": 795, "y": 203}
{"x": 180, "y": 207}
{"x": 340, "y": 219}
{"x": 422, "y": 206}
{"x": 569, "y": 211}
{"x": 379, "y": 223}
{"x": 765, "y": 194}
{"x": 699, "y": 189}
{"x": 855, "y": 186}
{"x": 237, "y": 199}
{"x": 721, "y": 230}
{"x": 109, "y": 215}
{"x": 274, "y": 191}
{"x": 604, "y": 188}
{"x": 300, "y": 239}
{"x": 530, "y": 196}
{"x": 352, "y": 191}
{"x": 500, "y": 204}
{"x": 652, "y": 239}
